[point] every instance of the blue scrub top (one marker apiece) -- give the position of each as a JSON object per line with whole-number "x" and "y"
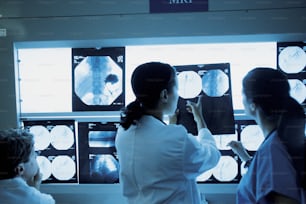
{"x": 271, "y": 170}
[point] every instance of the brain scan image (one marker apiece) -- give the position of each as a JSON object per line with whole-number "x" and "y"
{"x": 226, "y": 169}
{"x": 63, "y": 167}
{"x": 297, "y": 90}
{"x": 251, "y": 137}
{"x": 205, "y": 176}
{"x": 292, "y": 59}
{"x": 98, "y": 80}
{"x": 42, "y": 137}
{"x": 104, "y": 168}
{"x": 62, "y": 137}
{"x": 189, "y": 83}
{"x": 215, "y": 83}
{"x": 223, "y": 140}
{"x": 44, "y": 166}
{"x": 101, "y": 138}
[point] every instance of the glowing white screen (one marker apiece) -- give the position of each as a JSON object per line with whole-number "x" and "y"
{"x": 45, "y": 80}
{"x": 241, "y": 56}
{"x": 46, "y": 76}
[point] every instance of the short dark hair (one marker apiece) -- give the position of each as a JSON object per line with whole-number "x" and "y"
{"x": 16, "y": 146}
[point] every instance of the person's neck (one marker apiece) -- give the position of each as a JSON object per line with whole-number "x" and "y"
{"x": 266, "y": 126}
{"x": 155, "y": 113}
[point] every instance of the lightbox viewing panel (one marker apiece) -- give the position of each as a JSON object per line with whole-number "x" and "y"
{"x": 55, "y": 141}
{"x": 98, "y": 79}
{"x": 97, "y": 153}
{"x": 47, "y": 87}
{"x": 291, "y": 60}
{"x": 230, "y": 168}
{"x": 213, "y": 83}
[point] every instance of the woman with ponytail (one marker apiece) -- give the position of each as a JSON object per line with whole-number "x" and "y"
{"x": 159, "y": 162}
{"x": 276, "y": 172}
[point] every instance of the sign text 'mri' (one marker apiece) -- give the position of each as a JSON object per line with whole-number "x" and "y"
{"x": 171, "y": 6}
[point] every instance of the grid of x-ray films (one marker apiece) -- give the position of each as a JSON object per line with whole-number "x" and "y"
{"x": 291, "y": 60}
{"x": 230, "y": 168}
{"x": 97, "y": 153}
{"x": 98, "y": 79}
{"x": 213, "y": 83}
{"x": 56, "y": 143}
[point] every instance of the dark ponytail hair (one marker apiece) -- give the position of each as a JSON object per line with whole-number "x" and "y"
{"x": 269, "y": 89}
{"x": 130, "y": 114}
{"x": 148, "y": 80}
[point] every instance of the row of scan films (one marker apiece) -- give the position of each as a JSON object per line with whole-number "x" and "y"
{"x": 84, "y": 152}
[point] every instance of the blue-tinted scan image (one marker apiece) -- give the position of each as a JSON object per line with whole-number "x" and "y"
{"x": 291, "y": 60}
{"x": 55, "y": 140}
{"x": 98, "y": 79}
{"x": 215, "y": 83}
{"x": 104, "y": 168}
{"x": 97, "y": 152}
{"x": 212, "y": 83}
{"x": 101, "y": 138}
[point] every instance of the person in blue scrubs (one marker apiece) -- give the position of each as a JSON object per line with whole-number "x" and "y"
{"x": 159, "y": 162}
{"x": 276, "y": 171}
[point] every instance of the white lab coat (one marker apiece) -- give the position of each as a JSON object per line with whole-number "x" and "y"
{"x": 159, "y": 163}
{"x": 16, "y": 190}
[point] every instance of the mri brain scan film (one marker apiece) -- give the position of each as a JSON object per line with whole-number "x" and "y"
{"x": 45, "y": 167}
{"x": 212, "y": 82}
{"x": 98, "y": 79}
{"x": 297, "y": 90}
{"x": 189, "y": 84}
{"x": 221, "y": 171}
{"x": 42, "y": 137}
{"x": 55, "y": 140}
{"x": 63, "y": 167}
{"x": 251, "y": 137}
{"x": 62, "y": 137}
{"x": 291, "y": 60}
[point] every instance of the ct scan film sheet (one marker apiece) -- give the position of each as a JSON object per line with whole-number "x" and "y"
{"x": 98, "y": 79}
{"x": 55, "y": 140}
{"x": 291, "y": 60}
{"x": 97, "y": 152}
{"x": 213, "y": 83}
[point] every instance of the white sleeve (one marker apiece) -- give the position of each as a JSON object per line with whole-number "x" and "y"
{"x": 201, "y": 153}
{"x": 43, "y": 198}
{"x": 205, "y": 136}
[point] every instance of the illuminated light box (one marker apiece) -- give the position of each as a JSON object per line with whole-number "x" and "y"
{"x": 227, "y": 170}
{"x": 98, "y": 79}
{"x": 56, "y": 142}
{"x": 97, "y": 153}
{"x": 213, "y": 83}
{"x": 251, "y": 137}
{"x": 291, "y": 60}
{"x": 230, "y": 168}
